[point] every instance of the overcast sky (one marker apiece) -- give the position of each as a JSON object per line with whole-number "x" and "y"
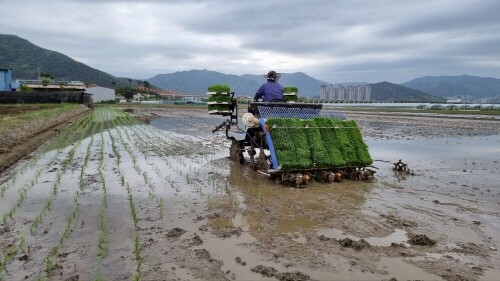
{"x": 334, "y": 41}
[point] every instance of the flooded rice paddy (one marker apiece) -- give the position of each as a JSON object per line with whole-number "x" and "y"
{"x": 112, "y": 198}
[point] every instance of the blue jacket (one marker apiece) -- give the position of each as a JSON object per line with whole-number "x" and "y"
{"x": 270, "y": 90}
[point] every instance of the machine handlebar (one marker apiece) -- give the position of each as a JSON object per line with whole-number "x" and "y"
{"x": 217, "y": 128}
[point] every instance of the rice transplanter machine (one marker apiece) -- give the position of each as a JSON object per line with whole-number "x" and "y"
{"x": 293, "y": 142}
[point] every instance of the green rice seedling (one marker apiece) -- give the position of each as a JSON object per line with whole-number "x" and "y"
{"x": 290, "y": 93}
{"x": 162, "y": 207}
{"x": 219, "y": 88}
{"x": 345, "y": 144}
{"x": 220, "y": 98}
{"x": 132, "y": 206}
{"x": 290, "y": 89}
{"x": 289, "y": 98}
{"x": 319, "y": 154}
{"x": 329, "y": 138}
{"x": 4, "y": 188}
{"x": 103, "y": 248}
{"x": 137, "y": 251}
{"x": 97, "y": 275}
{"x": 352, "y": 131}
{"x": 290, "y": 142}
{"x": 219, "y": 107}
{"x": 49, "y": 263}
{"x": 10, "y": 254}
{"x": 114, "y": 148}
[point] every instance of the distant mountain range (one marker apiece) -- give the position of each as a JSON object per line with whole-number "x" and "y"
{"x": 450, "y": 86}
{"x": 24, "y": 58}
{"x": 197, "y": 82}
{"x": 385, "y": 91}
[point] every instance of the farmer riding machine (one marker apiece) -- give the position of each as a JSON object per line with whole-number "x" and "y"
{"x": 290, "y": 141}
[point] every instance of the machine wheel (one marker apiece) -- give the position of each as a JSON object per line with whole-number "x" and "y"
{"x": 236, "y": 151}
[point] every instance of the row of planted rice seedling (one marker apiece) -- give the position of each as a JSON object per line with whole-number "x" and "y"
{"x": 107, "y": 124}
{"x": 50, "y": 260}
{"x": 123, "y": 135}
{"x": 102, "y": 244}
{"x": 63, "y": 141}
{"x": 124, "y": 138}
{"x": 60, "y": 142}
{"x": 164, "y": 147}
{"x": 130, "y": 198}
{"x": 147, "y": 179}
{"x": 23, "y": 191}
{"x": 60, "y": 172}
{"x": 318, "y": 142}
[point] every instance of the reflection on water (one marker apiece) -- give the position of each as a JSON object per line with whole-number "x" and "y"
{"x": 453, "y": 151}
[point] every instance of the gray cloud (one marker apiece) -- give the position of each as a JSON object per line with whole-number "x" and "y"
{"x": 332, "y": 40}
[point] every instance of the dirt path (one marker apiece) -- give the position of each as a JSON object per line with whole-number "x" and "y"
{"x": 118, "y": 199}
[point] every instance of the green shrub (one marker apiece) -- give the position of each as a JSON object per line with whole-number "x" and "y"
{"x": 219, "y": 88}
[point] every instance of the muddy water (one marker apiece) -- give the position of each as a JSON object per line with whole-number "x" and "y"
{"x": 198, "y": 216}
{"x": 439, "y": 196}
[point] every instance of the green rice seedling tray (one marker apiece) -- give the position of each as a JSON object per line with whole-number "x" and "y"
{"x": 290, "y": 89}
{"x": 219, "y": 89}
{"x": 219, "y": 98}
{"x": 320, "y": 142}
{"x": 219, "y": 107}
{"x": 291, "y": 97}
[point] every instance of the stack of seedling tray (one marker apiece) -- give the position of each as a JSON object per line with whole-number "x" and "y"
{"x": 219, "y": 100}
{"x": 290, "y": 94}
{"x": 319, "y": 142}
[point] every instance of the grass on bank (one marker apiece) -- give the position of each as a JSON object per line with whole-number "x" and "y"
{"x": 20, "y": 113}
{"x": 18, "y": 120}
